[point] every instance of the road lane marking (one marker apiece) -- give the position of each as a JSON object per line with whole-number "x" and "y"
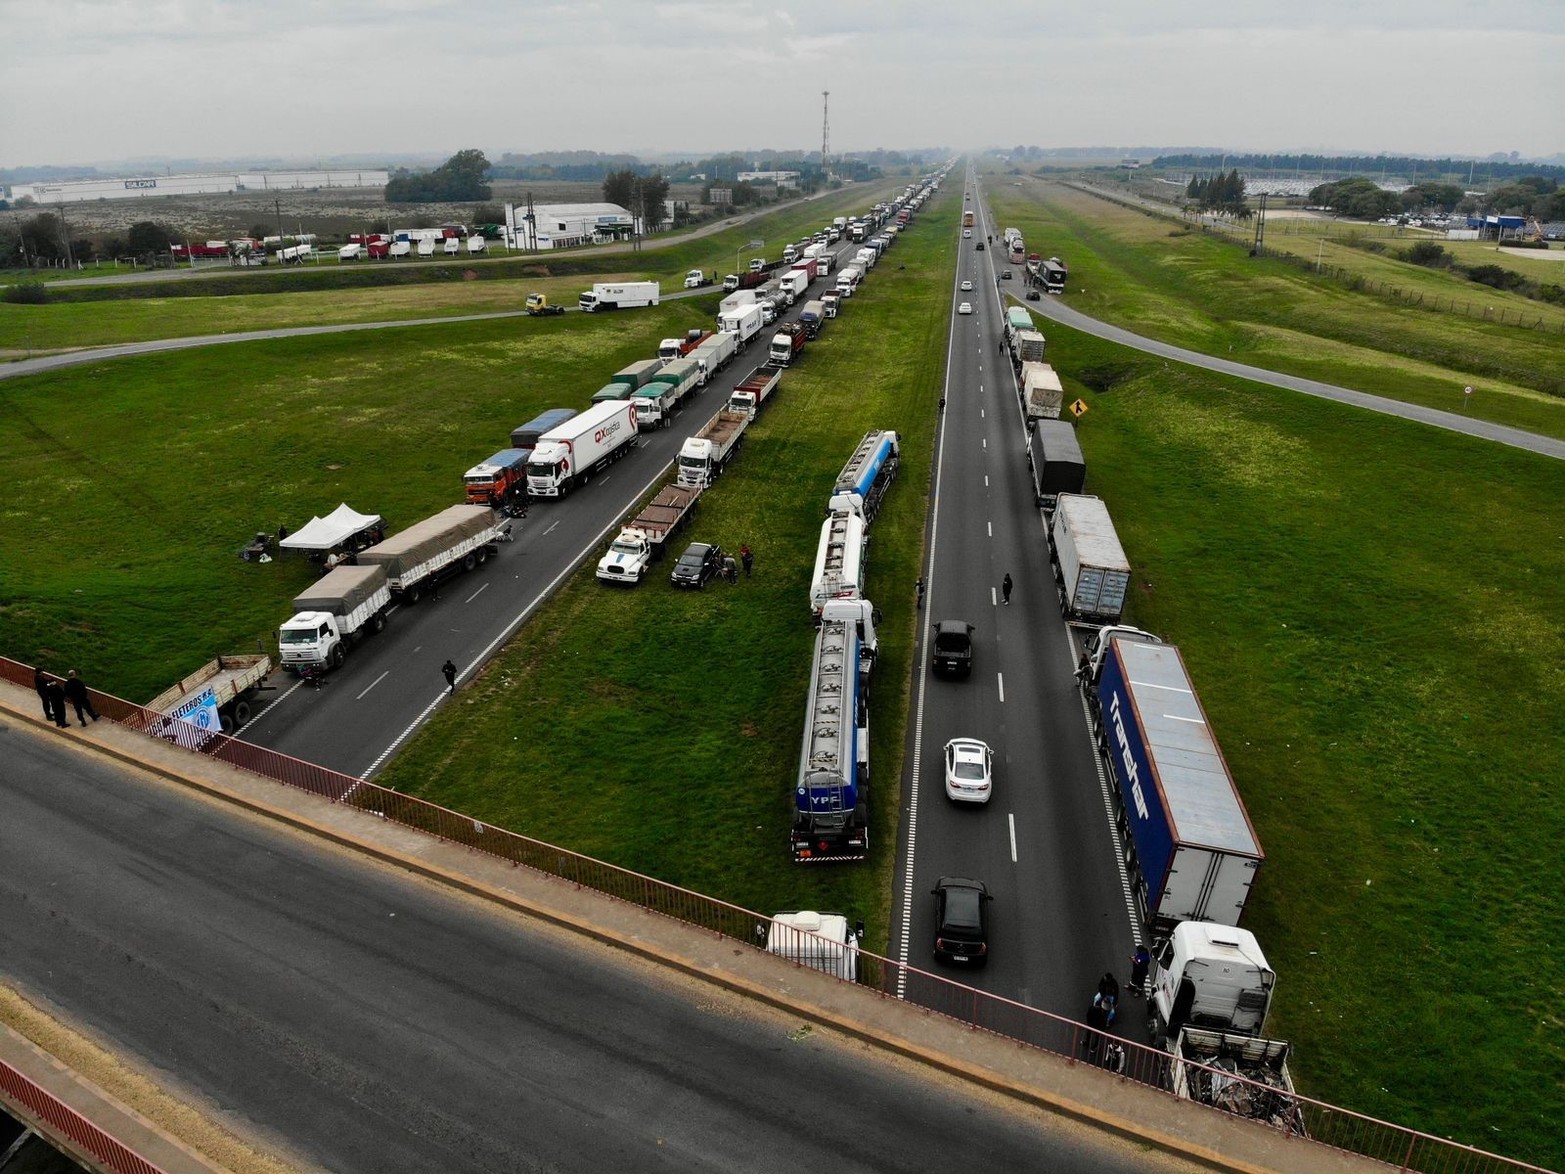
{"x": 993, "y": 598}
{"x": 991, "y": 528}
{"x": 550, "y": 530}
{"x": 476, "y": 594}
{"x": 373, "y": 683}
{"x": 1000, "y": 680}
{"x": 1010, "y": 818}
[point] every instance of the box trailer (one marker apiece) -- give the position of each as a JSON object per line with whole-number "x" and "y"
{"x": 1043, "y": 395}
{"x": 1089, "y": 562}
{"x": 619, "y": 296}
{"x": 526, "y": 435}
{"x": 1054, "y": 455}
{"x": 569, "y": 455}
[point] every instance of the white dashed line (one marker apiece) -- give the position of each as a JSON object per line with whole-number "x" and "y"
{"x": 1010, "y": 818}
{"x": 1000, "y": 681}
{"x": 373, "y": 683}
{"x": 476, "y": 594}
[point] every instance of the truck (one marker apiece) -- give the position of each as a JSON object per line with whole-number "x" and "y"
{"x": 832, "y": 303}
{"x": 696, "y": 279}
{"x": 715, "y": 353}
{"x": 848, "y": 280}
{"x": 839, "y": 561}
{"x": 744, "y": 281}
{"x": 816, "y": 941}
{"x": 231, "y": 681}
{"x": 787, "y": 343}
{"x": 743, "y": 324}
{"x": 1054, "y": 456}
{"x": 678, "y": 348}
{"x": 1027, "y": 346}
{"x": 458, "y": 538}
{"x": 831, "y": 797}
{"x": 736, "y": 301}
{"x": 500, "y": 481}
{"x": 871, "y": 469}
{"x": 1054, "y": 275}
{"x": 1089, "y": 563}
{"x": 1205, "y": 1063}
{"x": 1042, "y": 393}
{"x": 866, "y": 258}
{"x": 1192, "y": 851}
{"x": 753, "y": 390}
{"x": 619, "y": 295}
{"x": 615, "y": 391}
{"x": 704, "y": 456}
{"x": 642, "y": 540}
{"x": 813, "y": 317}
{"x": 655, "y": 403}
{"x": 637, "y": 374}
{"x": 569, "y": 455}
{"x": 798, "y": 279}
{"x": 340, "y": 609}
{"x": 526, "y": 435}
{"x": 1017, "y": 318}
{"x": 967, "y": 218}
{"x": 539, "y": 306}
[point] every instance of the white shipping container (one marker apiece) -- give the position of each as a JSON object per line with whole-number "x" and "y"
{"x": 1094, "y": 573}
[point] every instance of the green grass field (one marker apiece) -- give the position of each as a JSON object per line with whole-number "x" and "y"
{"x": 1196, "y": 290}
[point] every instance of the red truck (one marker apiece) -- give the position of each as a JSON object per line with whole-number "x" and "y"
{"x": 786, "y": 343}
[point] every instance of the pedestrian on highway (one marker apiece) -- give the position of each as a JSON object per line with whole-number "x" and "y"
{"x": 41, "y": 683}
{"x": 76, "y": 690}
{"x": 919, "y": 588}
{"x": 1084, "y": 666}
{"x": 448, "y": 670}
{"x": 747, "y": 557}
{"x": 56, "y": 700}
{"x": 1005, "y": 588}
{"x": 1140, "y": 961}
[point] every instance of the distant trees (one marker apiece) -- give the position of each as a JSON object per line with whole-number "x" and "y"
{"x": 460, "y": 177}
{"x": 1221, "y": 194}
{"x": 1358, "y": 197}
{"x": 148, "y": 238}
{"x": 644, "y": 196}
{"x": 1443, "y": 197}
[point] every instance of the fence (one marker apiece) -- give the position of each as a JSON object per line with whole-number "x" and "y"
{"x": 1326, "y": 1124}
{"x": 63, "y": 1121}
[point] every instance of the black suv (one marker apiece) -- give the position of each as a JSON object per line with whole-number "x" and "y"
{"x": 700, "y": 562}
{"x": 961, "y": 920}
{"x": 953, "y": 647}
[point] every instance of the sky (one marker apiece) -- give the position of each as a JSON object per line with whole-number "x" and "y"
{"x": 100, "y": 80}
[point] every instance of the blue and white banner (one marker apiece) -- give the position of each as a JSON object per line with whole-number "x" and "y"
{"x": 201, "y": 712}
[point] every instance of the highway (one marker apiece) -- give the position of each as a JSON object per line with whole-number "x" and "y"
{"x": 1061, "y": 913}
{"x": 346, "y": 1016}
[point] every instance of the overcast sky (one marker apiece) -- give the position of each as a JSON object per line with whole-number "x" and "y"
{"x": 90, "y": 80}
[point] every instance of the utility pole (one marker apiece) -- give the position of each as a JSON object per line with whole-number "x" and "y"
{"x": 65, "y": 236}
{"x": 825, "y": 133}
{"x": 278, "y": 204}
{"x": 1260, "y": 229}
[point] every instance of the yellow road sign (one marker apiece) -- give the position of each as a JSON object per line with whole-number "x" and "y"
{"x": 1078, "y": 409}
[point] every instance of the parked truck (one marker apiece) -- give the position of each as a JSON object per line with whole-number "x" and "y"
{"x": 813, "y": 317}
{"x": 816, "y": 941}
{"x": 539, "y": 306}
{"x": 848, "y": 281}
{"x": 1027, "y": 346}
{"x": 335, "y": 613}
{"x": 1054, "y": 275}
{"x": 753, "y": 390}
{"x": 619, "y": 295}
{"x": 744, "y": 324}
{"x": 1054, "y": 456}
{"x": 569, "y": 455}
{"x": 787, "y": 343}
{"x": 642, "y": 541}
{"x": 657, "y": 401}
{"x": 696, "y": 279}
{"x": 526, "y": 435}
{"x": 871, "y": 469}
{"x": 839, "y": 561}
{"x": 736, "y": 301}
{"x": 500, "y": 481}
{"x": 1206, "y": 1062}
{"x": 638, "y": 374}
{"x": 715, "y": 353}
{"x": 1195, "y": 855}
{"x": 704, "y": 456}
{"x": 458, "y": 538}
{"x": 831, "y": 301}
{"x": 1042, "y": 393}
{"x": 1089, "y": 563}
{"x": 831, "y": 798}
{"x": 227, "y": 685}
{"x": 794, "y": 282}
{"x": 678, "y": 348}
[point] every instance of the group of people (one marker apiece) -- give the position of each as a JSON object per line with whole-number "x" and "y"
{"x": 731, "y": 566}
{"x": 53, "y": 693}
{"x": 1104, "y": 1010}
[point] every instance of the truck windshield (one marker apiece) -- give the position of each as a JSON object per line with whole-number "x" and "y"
{"x": 625, "y": 547}
{"x": 486, "y": 480}
{"x": 297, "y": 636}
{"x": 540, "y": 470}
{"x": 692, "y": 462}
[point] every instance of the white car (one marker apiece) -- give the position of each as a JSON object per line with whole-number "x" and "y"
{"x": 965, "y": 308}
{"x": 969, "y": 771}
{"x": 966, "y": 285}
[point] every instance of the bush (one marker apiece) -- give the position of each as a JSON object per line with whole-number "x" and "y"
{"x": 1496, "y": 277}
{"x": 1429, "y": 254}
{"x": 1553, "y": 294}
{"x": 27, "y": 293}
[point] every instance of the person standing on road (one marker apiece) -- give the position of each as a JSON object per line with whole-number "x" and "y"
{"x": 41, "y": 683}
{"x": 56, "y": 702}
{"x": 76, "y": 690}
{"x": 747, "y": 557}
{"x": 1005, "y": 588}
{"x": 1139, "y": 963}
{"x": 919, "y": 589}
{"x": 448, "y": 670}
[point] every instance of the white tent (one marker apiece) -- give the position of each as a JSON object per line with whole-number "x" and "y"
{"x": 331, "y": 531}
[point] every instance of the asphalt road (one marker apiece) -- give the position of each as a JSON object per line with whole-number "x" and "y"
{"x": 1060, "y": 916}
{"x": 358, "y": 1019}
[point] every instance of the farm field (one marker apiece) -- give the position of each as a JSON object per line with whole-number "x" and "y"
{"x": 1180, "y": 285}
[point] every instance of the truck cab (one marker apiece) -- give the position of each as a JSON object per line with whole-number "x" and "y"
{"x": 695, "y": 279}
{"x": 310, "y": 639}
{"x": 627, "y": 559}
{"x": 539, "y": 304}
{"x": 1209, "y": 976}
{"x": 817, "y": 941}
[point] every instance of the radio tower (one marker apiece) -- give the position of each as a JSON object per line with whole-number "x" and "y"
{"x": 825, "y": 131}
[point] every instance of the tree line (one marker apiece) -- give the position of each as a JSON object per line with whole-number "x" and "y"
{"x": 1221, "y": 194}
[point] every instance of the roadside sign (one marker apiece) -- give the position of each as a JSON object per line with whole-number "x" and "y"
{"x": 1078, "y": 409}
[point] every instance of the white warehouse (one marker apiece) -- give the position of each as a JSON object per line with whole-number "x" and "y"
{"x": 77, "y": 191}
{"x": 562, "y": 226}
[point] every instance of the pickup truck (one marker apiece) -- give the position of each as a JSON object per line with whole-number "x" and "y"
{"x": 644, "y": 538}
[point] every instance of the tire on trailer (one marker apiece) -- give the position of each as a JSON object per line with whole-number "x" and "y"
{"x": 225, "y": 721}
{"x": 412, "y": 594}
{"x": 483, "y": 555}
{"x": 241, "y": 712}
{"x": 378, "y": 622}
{"x": 469, "y": 561}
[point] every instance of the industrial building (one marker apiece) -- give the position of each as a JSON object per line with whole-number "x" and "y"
{"x": 120, "y": 188}
{"x": 563, "y": 226}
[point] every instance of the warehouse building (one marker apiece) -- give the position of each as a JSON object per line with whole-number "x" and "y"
{"x": 563, "y": 226}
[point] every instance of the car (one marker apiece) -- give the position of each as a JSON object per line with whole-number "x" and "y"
{"x": 700, "y": 562}
{"x": 961, "y": 920}
{"x": 967, "y": 233}
{"x": 1034, "y": 296}
{"x": 952, "y": 648}
{"x": 969, "y": 771}
{"x": 965, "y": 308}
{"x": 979, "y": 247}
{"x": 1005, "y": 275}
{"x": 966, "y": 285}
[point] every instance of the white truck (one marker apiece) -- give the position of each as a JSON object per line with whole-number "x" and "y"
{"x": 569, "y": 455}
{"x": 839, "y": 561}
{"x": 866, "y": 258}
{"x": 232, "y": 681}
{"x": 1042, "y": 393}
{"x": 1027, "y": 346}
{"x": 458, "y": 538}
{"x": 696, "y": 279}
{"x": 744, "y": 324}
{"x": 715, "y": 353}
{"x": 339, "y": 610}
{"x": 816, "y": 941}
{"x": 736, "y": 301}
{"x": 705, "y": 455}
{"x": 753, "y": 390}
{"x": 1089, "y": 563}
{"x": 644, "y": 538}
{"x": 794, "y": 282}
{"x": 848, "y": 281}
{"x": 619, "y": 295}
{"x": 665, "y": 391}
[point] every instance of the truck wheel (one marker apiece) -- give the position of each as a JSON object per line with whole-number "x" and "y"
{"x": 241, "y": 713}
{"x": 469, "y": 561}
{"x": 483, "y": 555}
{"x": 226, "y": 722}
{"x": 378, "y": 622}
{"x": 412, "y": 593}
{"x": 336, "y": 657}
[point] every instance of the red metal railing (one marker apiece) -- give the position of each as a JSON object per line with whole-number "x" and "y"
{"x": 1325, "y": 1124}
{"x": 59, "y": 1119}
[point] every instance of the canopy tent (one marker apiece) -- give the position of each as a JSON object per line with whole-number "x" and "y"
{"x": 331, "y": 531}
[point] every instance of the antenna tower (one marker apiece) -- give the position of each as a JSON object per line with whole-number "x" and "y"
{"x": 825, "y": 130}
